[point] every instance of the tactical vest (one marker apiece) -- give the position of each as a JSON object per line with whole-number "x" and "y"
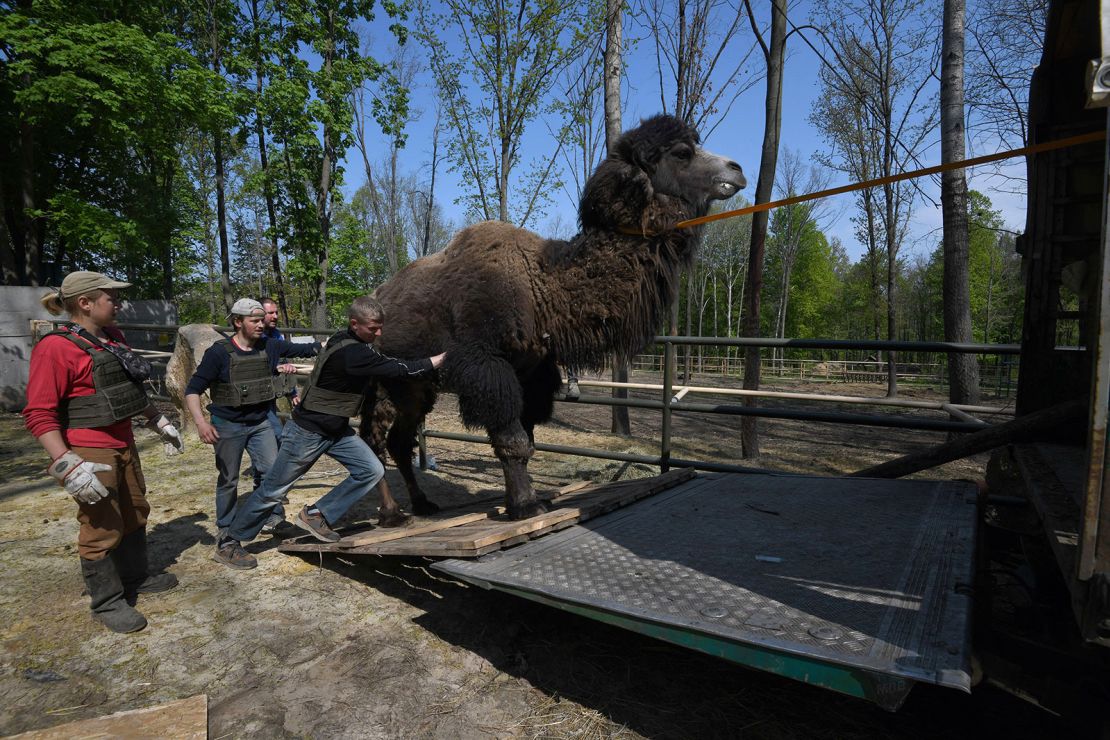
{"x": 251, "y": 380}
{"x": 336, "y": 403}
{"x": 115, "y": 395}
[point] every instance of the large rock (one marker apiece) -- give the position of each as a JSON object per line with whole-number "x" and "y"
{"x": 192, "y": 342}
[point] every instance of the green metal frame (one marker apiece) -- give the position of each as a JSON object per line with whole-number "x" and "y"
{"x": 888, "y": 692}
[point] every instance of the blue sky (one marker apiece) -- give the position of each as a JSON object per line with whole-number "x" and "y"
{"x": 739, "y": 135}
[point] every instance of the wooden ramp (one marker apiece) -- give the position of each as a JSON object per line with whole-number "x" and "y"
{"x": 186, "y": 719}
{"x": 463, "y": 533}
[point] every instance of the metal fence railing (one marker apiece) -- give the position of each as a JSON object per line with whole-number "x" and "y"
{"x": 672, "y": 395}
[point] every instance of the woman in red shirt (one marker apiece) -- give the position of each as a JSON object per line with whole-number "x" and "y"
{"x": 81, "y": 394}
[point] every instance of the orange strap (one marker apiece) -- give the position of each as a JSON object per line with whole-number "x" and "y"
{"x": 1033, "y": 149}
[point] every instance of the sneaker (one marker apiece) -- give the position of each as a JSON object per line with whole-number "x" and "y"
{"x": 234, "y": 556}
{"x": 316, "y": 525}
{"x": 272, "y": 523}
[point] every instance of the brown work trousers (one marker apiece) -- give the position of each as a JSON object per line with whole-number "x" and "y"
{"x": 106, "y": 522}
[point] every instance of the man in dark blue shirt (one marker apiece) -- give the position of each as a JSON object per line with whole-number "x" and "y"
{"x": 271, "y": 332}
{"x": 239, "y": 374}
{"x": 321, "y": 424}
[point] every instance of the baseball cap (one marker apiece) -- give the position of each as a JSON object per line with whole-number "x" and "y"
{"x": 245, "y": 307}
{"x": 82, "y": 281}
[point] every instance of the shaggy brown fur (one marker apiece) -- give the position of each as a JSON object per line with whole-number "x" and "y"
{"x": 509, "y": 306}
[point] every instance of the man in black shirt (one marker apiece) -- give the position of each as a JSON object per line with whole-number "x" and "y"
{"x": 321, "y": 424}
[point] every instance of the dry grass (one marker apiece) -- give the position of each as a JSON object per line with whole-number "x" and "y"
{"x": 375, "y": 647}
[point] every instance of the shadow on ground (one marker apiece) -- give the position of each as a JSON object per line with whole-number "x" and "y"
{"x": 659, "y": 690}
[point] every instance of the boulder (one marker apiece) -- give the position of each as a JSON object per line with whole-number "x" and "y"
{"x": 192, "y": 342}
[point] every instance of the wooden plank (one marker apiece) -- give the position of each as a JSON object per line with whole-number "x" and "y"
{"x": 186, "y": 719}
{"x": 396, "y": 533}
{"x": 474, "y": 534}
{"x": 606, "y": 501}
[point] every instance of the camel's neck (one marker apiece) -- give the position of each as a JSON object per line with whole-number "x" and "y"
{"x": 608, "y": 293}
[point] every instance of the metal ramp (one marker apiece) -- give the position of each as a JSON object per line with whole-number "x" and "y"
{"x": 862, "y": 586}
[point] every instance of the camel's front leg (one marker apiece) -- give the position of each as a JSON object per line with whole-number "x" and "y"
{"x": 513, "y": 449}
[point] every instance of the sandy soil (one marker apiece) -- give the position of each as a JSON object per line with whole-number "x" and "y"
{"x": 368, "y": 647}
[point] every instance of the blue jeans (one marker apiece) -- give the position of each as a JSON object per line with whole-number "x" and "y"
{"x": 258, "y": 441}
{"x": 275, "y": 423}
{"x": 300, "y": 449}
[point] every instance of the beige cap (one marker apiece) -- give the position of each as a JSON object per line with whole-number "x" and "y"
{"x": 245, "y": 307}
{"x": 82, "y": 281}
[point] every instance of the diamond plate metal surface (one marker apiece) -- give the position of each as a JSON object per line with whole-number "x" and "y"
{"x": 872, "y": 574}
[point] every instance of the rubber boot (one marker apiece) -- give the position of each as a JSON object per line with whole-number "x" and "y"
{"x": 132, "y": 565}
{"x": 106, "y": 596}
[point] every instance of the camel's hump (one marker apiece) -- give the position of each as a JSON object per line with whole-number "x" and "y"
{"x": 492, "y": 236}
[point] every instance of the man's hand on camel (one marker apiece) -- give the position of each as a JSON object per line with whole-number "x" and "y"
{"x": 438, "y": 359}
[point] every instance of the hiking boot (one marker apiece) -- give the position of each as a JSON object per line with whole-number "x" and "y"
{"x": 315, "y": 524}
{"x": 109, "y": 607}
{"x": 234, "y": 556}
{"x": 131, "y": 563}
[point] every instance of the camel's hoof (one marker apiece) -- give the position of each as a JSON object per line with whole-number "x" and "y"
{"x": 424, "y": 508}
{"x": 528, "y": 510}
{"x": 393, "y": 518}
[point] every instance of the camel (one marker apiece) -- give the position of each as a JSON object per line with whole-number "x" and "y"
{"x": 510, "y": 306}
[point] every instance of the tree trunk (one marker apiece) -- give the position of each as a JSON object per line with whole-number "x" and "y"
{"x": 963, "y": 369}
{"x": 263, "y": 159}
{"x": 749, "y": 430}
{"x": 221, "y": 205}
{"x": 320, "y": 289}
{"x": 221, "y": 222}
{"x": 32, "y": 250}
{"x": 9, "y": 275}
{"x": 612, "y": 76}
{"x": 431, "y": 189}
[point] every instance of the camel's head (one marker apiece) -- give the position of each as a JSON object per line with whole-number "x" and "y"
{"x": 661, "y": 157}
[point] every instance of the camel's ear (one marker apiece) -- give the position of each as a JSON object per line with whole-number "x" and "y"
{"x": 615, "y": 195}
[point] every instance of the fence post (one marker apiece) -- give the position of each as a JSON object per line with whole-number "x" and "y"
{"x": 422, "y": 444}
{"x": 668, "y": 393}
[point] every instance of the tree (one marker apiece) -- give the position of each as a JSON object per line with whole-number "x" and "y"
{"x": 792, "y": 225}
{"x": 879, "y": 62}
{"x": 385, "y": 190}
{"x": 1006, "y": 38}
{"x": 263, "y": 36}
{"x": 692, "y": 39}
{"x": 329, "y": 29}
{"x": 774, "y": 53}
{"x": 95, "y": 100}
{"x": 963, "y": 369}
{"x": 512, "y": 56}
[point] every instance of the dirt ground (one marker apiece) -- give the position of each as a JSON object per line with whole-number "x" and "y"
{"x": 370, "y": 647}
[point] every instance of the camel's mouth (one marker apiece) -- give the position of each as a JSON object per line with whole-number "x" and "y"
{"x": 728, "y": 188}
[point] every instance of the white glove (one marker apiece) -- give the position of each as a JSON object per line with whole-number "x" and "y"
{"x": 79, "y": 477}
{"x": 172, "y": 441}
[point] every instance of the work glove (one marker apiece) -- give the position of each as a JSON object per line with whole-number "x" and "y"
{"x": 172, "y": 441}
{"x": 78, "y": 476}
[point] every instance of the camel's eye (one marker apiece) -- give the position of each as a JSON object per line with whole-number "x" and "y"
{"x": 682, "y": 151}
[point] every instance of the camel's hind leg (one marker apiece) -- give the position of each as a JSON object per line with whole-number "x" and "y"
{"x": 389, "y": 425}
{"x": 400, "y": 442}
